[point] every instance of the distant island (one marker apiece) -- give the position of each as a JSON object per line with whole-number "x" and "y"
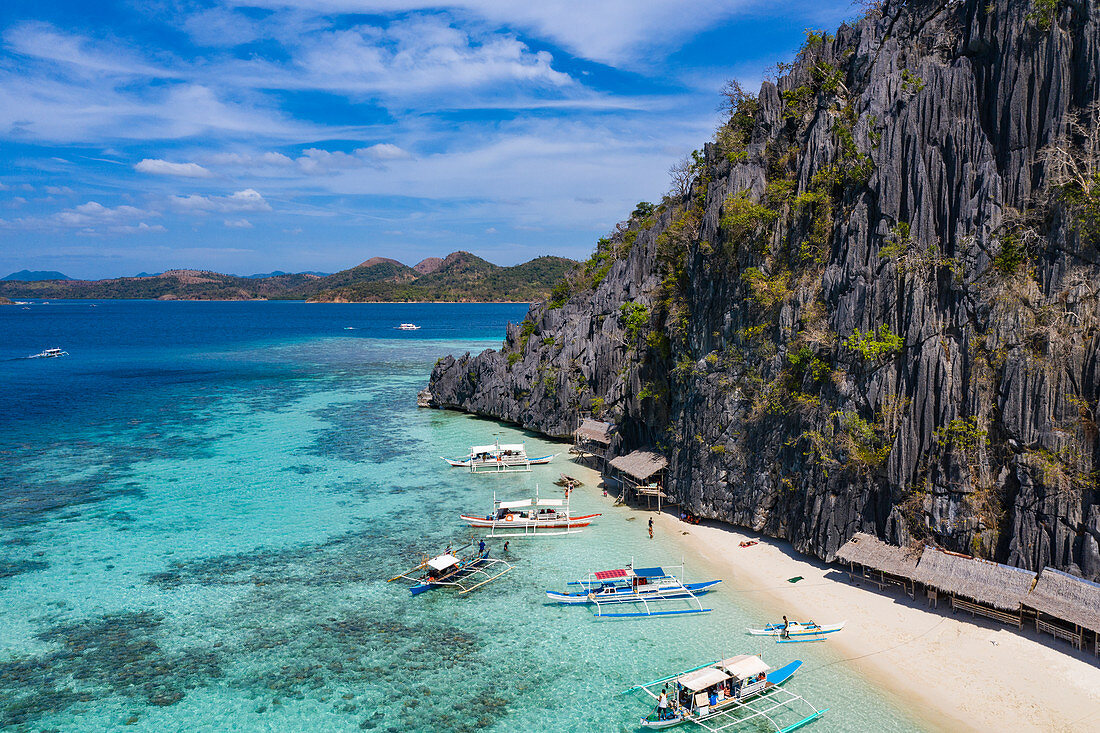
{"x": 36, "y": 275}
{"x": 459, "y": 277}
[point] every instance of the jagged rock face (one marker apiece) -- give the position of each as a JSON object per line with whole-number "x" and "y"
{"x": 902, "y": 185}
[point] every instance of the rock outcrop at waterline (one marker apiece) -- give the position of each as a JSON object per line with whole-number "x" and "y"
{"x": 872, "y": 307}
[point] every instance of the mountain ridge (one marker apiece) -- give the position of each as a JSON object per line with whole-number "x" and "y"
{"x": 377, "y": 279}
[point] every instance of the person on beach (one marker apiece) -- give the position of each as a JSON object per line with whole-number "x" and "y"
{"x": 786, "y": 628}
{"x": 651, "y": 528}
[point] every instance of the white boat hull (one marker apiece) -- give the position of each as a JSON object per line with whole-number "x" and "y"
{"x": 798, "y": 629}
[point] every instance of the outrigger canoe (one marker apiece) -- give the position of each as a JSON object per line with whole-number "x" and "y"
{"x": 638, "y": 587}
{"x": 529, "y": 517}
{"x": 469, "y": 462}
{"x": 735, "y": 692}
{"x": 455, "y": 570}
{"x": 797, "y": 631}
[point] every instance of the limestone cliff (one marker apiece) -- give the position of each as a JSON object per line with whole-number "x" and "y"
{"x": 872, "y": 306}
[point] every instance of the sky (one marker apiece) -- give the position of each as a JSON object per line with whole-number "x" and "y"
{"x": 246, "y": 136}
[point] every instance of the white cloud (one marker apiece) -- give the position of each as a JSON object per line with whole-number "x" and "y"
{"x": 59, "y": 190}
{"x": 238, "y": 223}
{"x": 246, "y": 200}
{"x": 79, "y": 55}
{"x": 614, "y": 32}
{"x": 141, "y": 228}
{"x": 93, "y": 218}
{"x": 159, "y": 167}
{"x": 94, "y": 212}
{"x": 313, "y": 161}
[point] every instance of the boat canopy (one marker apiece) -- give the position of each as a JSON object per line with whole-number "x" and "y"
{"x": 744, "y": 666}
{"x": 551, "y": 502}
{"x": 514, "y": 447}
{"x": 702, "y": 679}
{"x": 609, "y": 574}
{"x": 649, "y": 572}
{"x": 515, "y": 504}
{"x": 443, "y": 562}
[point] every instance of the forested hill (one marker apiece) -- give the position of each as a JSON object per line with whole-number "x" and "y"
{"x": 459, "y": 277}
{"x": 870, "y": 305}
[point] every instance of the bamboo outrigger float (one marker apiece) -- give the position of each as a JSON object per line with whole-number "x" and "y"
{"x": 730, "y": 693}
{"x": 453, "y": 570}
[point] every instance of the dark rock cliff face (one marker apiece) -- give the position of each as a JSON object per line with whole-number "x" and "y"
{"x": 874, "y": 308}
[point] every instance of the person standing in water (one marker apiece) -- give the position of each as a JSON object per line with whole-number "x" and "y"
{"x": 651, "y": 528}
{"x": 786, "y": 628}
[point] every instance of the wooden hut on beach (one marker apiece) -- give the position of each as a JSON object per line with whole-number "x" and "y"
{"x": 1062, "y": 605}
{"x": 981, "y": 587}
{"x": 641, "y": 473}
{"x": 1067, "y": 607}
{"x": 592, "y": 438}
{"x": 880, "y": 563}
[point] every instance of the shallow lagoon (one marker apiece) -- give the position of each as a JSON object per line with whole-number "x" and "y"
{"x": 200, "y": 506}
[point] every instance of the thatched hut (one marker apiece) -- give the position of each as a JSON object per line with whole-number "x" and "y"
{"x": 593, "y": 437}
{"x": 880, "y": 563}
{"x": 1061, "y": 597}
{"x": 981, "y": 587}
{"x": 642, "y": 473}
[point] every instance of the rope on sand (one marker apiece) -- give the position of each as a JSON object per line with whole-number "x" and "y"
{"x": 880, "y": 651}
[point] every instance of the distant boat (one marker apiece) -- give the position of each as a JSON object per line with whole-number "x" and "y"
{"x": 49, "y": 354}
{"x": 407, "y": 327}
{"x": 349, "y": 328}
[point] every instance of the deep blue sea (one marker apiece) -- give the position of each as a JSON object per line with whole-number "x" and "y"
{"x": 201, "y": 504}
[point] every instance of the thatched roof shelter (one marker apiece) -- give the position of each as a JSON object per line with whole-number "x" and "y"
{"x": 871, "y": 552}
{"x": 1067, "y": 597}
{"x": 1000, "y": 586}
{"x": 594, "y": 430}
{"x": 641, "y": 464}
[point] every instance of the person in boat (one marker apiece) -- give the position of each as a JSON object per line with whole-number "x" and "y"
{"x": 786, "y": 628}
{"x": 662, "y": 704}
{"x": 481, "y": 547}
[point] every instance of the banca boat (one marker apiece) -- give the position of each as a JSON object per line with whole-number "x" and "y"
{"x": 529, "y": 518}
{"x": 407, "y": 327}
{"x": 798, "y": 631}
{"x": 452, "y": 569}
{"x": 644, "y": 589}
{"x": 741, "y": 691}
{"x": 49, "y": 354}
{"x": 499, "y": 458}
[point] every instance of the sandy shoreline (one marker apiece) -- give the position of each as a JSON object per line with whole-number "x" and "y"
{"x": 950, "y": 672}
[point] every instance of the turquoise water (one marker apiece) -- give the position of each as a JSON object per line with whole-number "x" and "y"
{"x": 199, "y": 509}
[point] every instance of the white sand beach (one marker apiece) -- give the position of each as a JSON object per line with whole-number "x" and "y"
{"x": 951, "y": 672}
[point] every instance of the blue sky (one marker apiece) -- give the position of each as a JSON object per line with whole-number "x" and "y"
{"x": 250, "y": 135}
